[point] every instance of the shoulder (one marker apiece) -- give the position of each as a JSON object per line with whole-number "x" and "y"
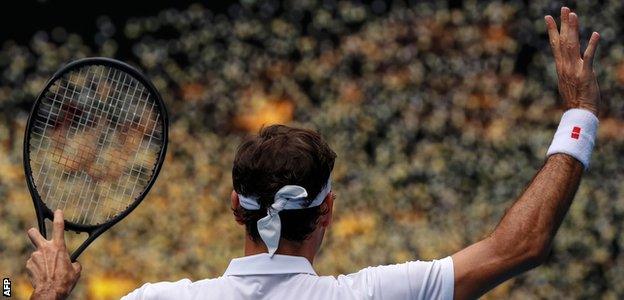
{"x": 181, "y": 289}
{"x": 413, "y": 280}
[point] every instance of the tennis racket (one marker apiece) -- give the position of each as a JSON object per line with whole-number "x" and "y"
{"x": 95, "y": 141}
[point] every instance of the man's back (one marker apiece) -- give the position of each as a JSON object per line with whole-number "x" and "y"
{"x": 292, "y": 277}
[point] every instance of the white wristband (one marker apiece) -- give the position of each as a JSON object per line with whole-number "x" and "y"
{"x": 575, "y": 135}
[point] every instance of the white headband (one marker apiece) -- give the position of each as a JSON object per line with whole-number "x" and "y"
{"x": 288, "y": 197}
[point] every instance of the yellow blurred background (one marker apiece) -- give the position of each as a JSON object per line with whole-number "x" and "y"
{"x": 440, "y": 113}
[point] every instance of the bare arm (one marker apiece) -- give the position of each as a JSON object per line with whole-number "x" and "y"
{"x": 523, "y": 238}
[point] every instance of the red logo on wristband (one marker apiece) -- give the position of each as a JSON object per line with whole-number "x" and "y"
{"x": 576, "y": 131}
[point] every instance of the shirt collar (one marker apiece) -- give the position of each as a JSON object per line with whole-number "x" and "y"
{"x": 264, "y": 264}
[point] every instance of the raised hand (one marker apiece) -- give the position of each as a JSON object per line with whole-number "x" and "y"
{"x": 576, "y": 78}
{"x": 50, "y": 270}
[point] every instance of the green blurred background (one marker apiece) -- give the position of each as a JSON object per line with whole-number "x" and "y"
{"x": 440, "y": 113}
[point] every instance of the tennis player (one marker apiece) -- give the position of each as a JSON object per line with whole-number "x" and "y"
{"x": 283, "y": 197}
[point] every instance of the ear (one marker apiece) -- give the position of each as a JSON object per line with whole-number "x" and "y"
{"x": 328, "y": 208}
{"x": 236, "y": 207}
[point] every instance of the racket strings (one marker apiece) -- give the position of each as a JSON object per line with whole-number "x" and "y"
{"x": 94, "y": 143}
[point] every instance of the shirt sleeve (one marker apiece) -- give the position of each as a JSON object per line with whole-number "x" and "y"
{"x": 410, "y": 280}
{"x": 160, "y": 290}
{"x": 136, "y": 294}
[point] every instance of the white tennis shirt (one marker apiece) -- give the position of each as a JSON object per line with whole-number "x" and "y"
{"x": 292, "y": 277}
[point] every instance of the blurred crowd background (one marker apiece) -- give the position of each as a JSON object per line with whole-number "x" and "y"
{"x": 440, "y": 113}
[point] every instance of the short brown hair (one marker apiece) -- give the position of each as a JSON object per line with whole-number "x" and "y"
{"x": 280, "y": 155}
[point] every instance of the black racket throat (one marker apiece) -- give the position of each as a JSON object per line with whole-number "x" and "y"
{"x": 95, "y": 142}
{"x": 94, "y": 232}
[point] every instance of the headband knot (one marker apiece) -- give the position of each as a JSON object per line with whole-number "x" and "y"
{"x": 288, "y": 197}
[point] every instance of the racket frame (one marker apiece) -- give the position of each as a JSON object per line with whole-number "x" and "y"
{"x": 42, "y": 211}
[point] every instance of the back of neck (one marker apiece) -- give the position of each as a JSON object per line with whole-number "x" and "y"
{"x": 285, "y": 248}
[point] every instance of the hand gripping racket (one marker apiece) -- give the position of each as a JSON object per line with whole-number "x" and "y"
{"x": 95, "y": 141}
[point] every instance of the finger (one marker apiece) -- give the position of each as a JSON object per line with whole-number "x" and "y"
{"x": 553, "y": 35}
{"x": 77, "y": 267}
{"x": 58, "y": 234}
{"x": 31, "y": 273}
{"x": 565, "y": 13}
{"x": 573, "y": 36}
{"x": 29, "y": 264}
{"x": 588, "y": 56}
{"x": 35, "y": 237}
